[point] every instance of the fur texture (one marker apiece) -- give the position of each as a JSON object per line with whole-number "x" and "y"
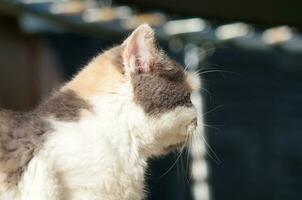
{"x": 92, "y": 139}
{"x": 23, "y": 134}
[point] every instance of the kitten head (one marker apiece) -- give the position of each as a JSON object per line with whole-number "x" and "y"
{"x": 163, "y": 90}
{"x": 160, "y": 113}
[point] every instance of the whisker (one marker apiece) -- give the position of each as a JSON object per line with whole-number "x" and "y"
{"x": 213, "y": 127}
{"x": 186, "y": 68}
{"x": 182, "y": 169}
{"x": 171, "y": 166}
{"x": 178, "y": 173}
{"x": 212, "y": 110}
{"x": 211, "y": 151}
{"x": 192, "y": 143}
{"x": 216, "y": 70}
{"x": 188, "y": 174}
{"x": 207, "y": 91}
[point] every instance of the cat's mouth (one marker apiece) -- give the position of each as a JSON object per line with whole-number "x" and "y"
{"x": 191, "y": 128}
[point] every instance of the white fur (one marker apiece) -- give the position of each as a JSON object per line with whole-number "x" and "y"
{"x": 40, "y": 181}
{"x": 104, "y": 155}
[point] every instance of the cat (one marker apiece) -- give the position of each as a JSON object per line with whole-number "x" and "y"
{"x": 91, "y": 139}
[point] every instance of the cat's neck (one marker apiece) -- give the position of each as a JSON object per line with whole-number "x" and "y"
{"x": 103, "y": 152}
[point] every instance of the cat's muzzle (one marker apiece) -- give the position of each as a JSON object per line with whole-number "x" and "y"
{"x": 191, "y": 129}
{"x": 192, "y": 126}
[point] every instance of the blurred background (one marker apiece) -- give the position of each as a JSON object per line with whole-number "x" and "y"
{"x": 249, "y": 55}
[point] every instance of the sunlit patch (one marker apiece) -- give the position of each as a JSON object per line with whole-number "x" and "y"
{"x": 193, "y": 81}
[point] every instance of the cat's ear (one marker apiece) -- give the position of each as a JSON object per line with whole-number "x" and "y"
{"x": 140, "y": 49}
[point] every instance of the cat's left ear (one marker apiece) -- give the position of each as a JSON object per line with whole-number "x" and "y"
{"x": 140, "y": 50}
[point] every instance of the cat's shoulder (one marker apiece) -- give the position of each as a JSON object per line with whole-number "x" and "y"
{"x": 8, "y": 119}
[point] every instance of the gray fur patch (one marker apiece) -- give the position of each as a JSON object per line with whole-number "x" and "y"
{"x": 163, "y": 89}
{"x": 23, "y": 134}
{"x": 64, "y": 106}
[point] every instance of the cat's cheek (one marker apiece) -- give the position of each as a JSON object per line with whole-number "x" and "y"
{"x": 172, "y": 129}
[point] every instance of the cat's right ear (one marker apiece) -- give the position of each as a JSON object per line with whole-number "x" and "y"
{"x": 140, "y": 50}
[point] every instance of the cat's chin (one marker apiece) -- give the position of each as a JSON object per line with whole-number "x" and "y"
{"x": 175, "y": 147}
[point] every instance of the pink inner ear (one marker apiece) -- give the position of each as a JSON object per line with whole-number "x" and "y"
{"x": 140, "y": 47}
{"x": 141, "y": 52}
{"x": 140, "y": 66}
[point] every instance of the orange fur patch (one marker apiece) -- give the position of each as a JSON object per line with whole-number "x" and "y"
{"x": 101, "y": 76}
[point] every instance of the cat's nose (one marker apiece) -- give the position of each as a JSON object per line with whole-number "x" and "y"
{"x": 192, "y": 126}
{"x": 194, "y": 122}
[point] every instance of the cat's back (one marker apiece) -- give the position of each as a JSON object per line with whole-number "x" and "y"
{"x": 10, "y": 122}
{"x": 18, "y": 143}
{"x": 7, "y": 121}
